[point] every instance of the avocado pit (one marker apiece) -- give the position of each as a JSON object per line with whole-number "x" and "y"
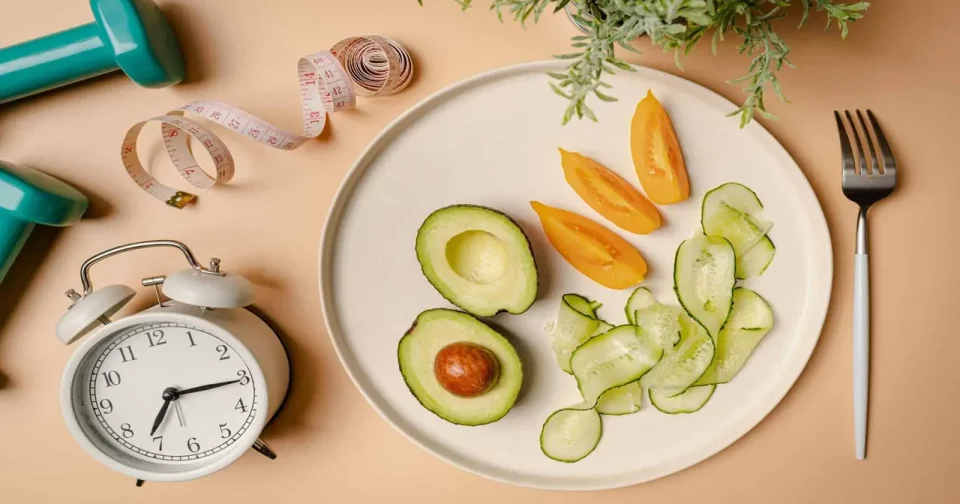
{"x": 466, "y": 369}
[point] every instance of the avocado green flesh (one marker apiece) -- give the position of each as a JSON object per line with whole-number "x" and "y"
{"x": 437, "y": 328}
{"x": 478, "y": 259}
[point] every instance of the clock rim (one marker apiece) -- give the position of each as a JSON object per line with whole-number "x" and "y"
{"x": 204, "y": 468}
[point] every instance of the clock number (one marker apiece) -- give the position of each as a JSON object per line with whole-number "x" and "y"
{"x": 124, "y": 351}
{"x": 160, "y": 439}
{"x": 191, "y": 339}
{"x": 112, "y": 378}
{"x": 240, "y": 406}
{"x": 192, "y": 445}
{"x": 224, "y": 431}
{"x": 244, "y": 379}
{"x": 127, "y": 431}
{"x": 158, "y": 334}
{"x": 106, "y": 406}
{"x": 223, "y": 352}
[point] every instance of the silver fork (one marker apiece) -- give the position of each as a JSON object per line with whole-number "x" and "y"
{"x": 864, "y": 186}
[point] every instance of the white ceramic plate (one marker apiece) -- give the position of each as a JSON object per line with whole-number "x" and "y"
{"x": 492, "y": 140}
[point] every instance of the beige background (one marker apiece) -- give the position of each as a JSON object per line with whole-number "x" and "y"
{"x": 333, "y": 447}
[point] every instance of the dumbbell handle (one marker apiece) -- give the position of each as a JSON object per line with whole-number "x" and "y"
{"x": 52, "y": 61}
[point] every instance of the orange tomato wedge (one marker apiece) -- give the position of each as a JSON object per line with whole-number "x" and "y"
{"x": 656, "y": 153}
{"x": 592, "y": 249}
{"x": 607, "y": 193}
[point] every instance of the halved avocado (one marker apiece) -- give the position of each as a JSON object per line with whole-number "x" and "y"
{"x": 436, "y": 329}
{"x": 478, "y": 259}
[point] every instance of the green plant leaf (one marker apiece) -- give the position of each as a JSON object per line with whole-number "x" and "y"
{"x": 604, "y": 97}
{"x": 676, "y": 25}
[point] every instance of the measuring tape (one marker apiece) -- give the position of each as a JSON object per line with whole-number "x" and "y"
{"x": 329, "y": 81}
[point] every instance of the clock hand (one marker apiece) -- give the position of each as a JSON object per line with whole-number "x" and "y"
{"x": 172, "y": 394}
{"x": 176, "y": 409}
{"x": 201, "y": 388}
{"x": 168, "y": 395}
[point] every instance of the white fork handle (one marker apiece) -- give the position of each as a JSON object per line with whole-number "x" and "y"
{"x": 861, "y": 351}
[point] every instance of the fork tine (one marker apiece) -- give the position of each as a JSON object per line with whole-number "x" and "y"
{"x": 875, "y": 166}
{"x": 861, "y": 153}
{"x": 889, "y": 163}
{"x": 846, "y": 153}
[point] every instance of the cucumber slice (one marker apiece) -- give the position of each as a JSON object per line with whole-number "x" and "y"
{"x": 754, "y": 262}
{"x": 731, "y": 195}
{"x": 688, "y": 402}
{"x": 622, "y": 400}
{"x": 733, "y": 212}
{"x": 570, "y": 434}
{"x": 685, "y": 363}
{"x": 704, "y": 274}
{"x": 582, "y": 304}
{"x": 749, "y": 322}
{"x": 617, "y": 357}
{"x": 662, "y": 322}
{"x": 640, "y": 299}
{"x": 576, "y": 323}
{"x": 602, "y": 327}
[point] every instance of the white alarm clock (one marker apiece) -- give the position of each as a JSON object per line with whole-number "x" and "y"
{"x": 179, "y": 390}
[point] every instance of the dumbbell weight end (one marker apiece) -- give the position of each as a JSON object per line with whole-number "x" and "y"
{"x": 29, "y": 197}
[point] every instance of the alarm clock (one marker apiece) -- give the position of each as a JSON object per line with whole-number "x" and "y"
{"x": 179, "y": 390}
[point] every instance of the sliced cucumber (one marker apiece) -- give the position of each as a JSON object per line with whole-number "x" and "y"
{"x": 688, "y": 402}
{"x": 617, "y": 357}
{"x": 684, "y": 364}
{"x": 602, "y": 327}
{"x": 622, "y": 400}
{"x": 731, "y": 195}
{"x": 576, "y": 323}
{"x": 749, "y": 322}
{"x": 704, "y": 274}
{"x": 754, "y": 261}
{"x": 571, "y": 434}
{"x": 640, "y": 299}
{"x": 733, "y": 212}
{"x": 565, "y": 350}
{"x": 662, "y": 322}
{"x": 582, "y": 304}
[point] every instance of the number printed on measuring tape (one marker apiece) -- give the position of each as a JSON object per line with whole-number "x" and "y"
{"x": 330, "y": 81}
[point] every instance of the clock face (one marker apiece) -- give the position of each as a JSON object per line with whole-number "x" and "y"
{"x": 167, "y": 393}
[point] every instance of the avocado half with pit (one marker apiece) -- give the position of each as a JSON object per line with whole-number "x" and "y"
{"x": 459, "y": 368}
{"x": 478, "y": 259}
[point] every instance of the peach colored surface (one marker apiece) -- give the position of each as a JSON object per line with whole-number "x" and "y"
{"x": 266, "y": 225}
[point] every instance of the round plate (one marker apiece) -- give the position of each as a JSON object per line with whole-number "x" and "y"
{"x": 492, "y": 140}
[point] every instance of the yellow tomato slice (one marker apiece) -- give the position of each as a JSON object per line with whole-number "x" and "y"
{"x": 607, "y": 193}
{"x": 592, "y": 249}
{"x": 656, "y": 153}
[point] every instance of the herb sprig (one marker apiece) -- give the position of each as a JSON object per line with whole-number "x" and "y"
{"x": 673, "y": 25}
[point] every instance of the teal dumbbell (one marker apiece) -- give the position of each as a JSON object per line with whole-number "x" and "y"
{"x": 29, "y": 197}
{"x": 132, "y": 35}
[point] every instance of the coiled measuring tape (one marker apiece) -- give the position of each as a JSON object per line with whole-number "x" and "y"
{"x": 329, "y": 81}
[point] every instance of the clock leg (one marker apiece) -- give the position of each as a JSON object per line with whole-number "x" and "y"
{"x": 264, "y": 449}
